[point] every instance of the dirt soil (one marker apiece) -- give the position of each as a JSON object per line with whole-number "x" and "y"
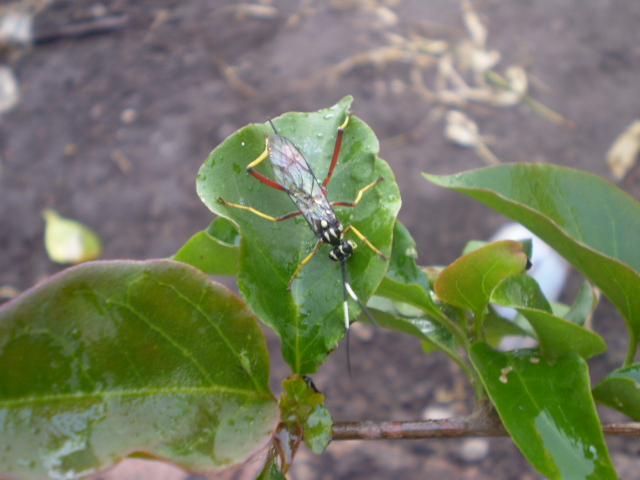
{"x": 112, "y": 128}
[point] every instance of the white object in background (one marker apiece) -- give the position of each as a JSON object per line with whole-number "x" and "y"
{"x": 548, "y": 268}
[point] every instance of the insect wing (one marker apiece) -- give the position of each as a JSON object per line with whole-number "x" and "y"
{"x": 291, "y": 169}
{"x": 293, "y": 172}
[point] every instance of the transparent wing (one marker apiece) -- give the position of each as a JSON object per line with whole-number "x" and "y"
{"x": 293, "y": 172}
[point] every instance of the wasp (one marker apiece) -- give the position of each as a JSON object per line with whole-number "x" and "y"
{"x": 294, "y": 175}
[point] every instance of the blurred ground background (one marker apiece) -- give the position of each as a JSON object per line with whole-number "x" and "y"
{"x": 121, "y": 101}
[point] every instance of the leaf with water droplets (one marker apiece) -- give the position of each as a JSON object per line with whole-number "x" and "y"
{"x": 111, "y": 358}
{"x": 548, "y": 410}
{"x": 308, "y": 318}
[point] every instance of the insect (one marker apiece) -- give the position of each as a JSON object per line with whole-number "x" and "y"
{"x": 295, "y": 177}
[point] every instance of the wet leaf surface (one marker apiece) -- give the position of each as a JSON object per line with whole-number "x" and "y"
{"x": 110, "y": 358}
{"x": 309, "y": 317}
{"x": 548, "y": 410}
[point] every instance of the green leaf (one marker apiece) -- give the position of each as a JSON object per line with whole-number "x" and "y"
{"x": 302, "y": 409}
{"x": 520, "y": 291}
{"x": 69, "y": 241}
{"x": 548, "y": 410}
{"x": 423, "y": 328}
{"x": 271, "y": 471}
{"x": 405, "y": 281}
{"x": 584, "y": 305}
{"x": 621, "y": 390}
{"x": 215, "y": 250}
{"x": 557, "y": 336}
{"x": 468, "y": 281}
{"x": 496, "y": 327}
{"x": 588, "y": 220}
{"x": 473, "y": 245}
{"x": 309, "y": 318}
{"x": 111, "y": 358}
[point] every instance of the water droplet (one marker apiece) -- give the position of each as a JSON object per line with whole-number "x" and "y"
{"x": 243, "y": 144}
{"x": 320, "y": 135}
{"x": 329, "y": 115}
{"x": 250, "y": 188}
{"x": 237, "y": 168}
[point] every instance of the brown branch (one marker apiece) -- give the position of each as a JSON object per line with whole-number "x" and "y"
{"x": 481, "y": 423}
{"x": 627, "y": 429}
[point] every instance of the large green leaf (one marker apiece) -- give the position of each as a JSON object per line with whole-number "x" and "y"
{"x": 548, "y": 410}
{"x": 215, "y": 250}
{"x": 621, "y": 390}
{"x": 308, "y": 318}
{"x": 588, "y": 220}
{"x": 557, "y": 336}
{"x": 112, "y": 358}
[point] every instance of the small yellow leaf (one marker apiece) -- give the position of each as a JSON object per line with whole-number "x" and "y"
{"x": 623, "y": 153}
{"x": 68, "y": 241}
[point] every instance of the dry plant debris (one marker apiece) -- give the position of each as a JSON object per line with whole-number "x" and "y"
{"x": 623, "y": 153}
{"x": 446, "y": 74}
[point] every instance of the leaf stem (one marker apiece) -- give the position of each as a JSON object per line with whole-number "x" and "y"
{"x": 478, "y": 388}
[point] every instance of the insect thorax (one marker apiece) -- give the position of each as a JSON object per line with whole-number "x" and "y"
{"x": 343, "y": 251}
{"x": 329, "y": 231}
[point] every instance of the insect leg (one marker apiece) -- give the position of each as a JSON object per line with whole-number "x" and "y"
{"x": 336, "y": 150}
{"x": 359, "y": 196}
{"x": 303, "y": 263}
{"x": 259, "y": 213}
{"x": 261, "y": 177}
{"x": 365, "y": 240}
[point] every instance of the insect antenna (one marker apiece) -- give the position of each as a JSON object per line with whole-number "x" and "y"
{"x": 346, "y": 288}
{"x": 273, "y": 126}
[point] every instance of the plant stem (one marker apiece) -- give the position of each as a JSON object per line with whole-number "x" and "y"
{"x": 478, "y": 388}
{"x": 448, "y": 428}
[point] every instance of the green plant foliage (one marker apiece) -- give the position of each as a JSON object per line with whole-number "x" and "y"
{"x": 423, "y": 328}
{"x": 548, "y": 410}
{"x": 309, "y": 317}
{"x": 584, "y": 305}
{"x": 557, "y": 336}
{"x": 468, "y": 281}
{"x": 621, "y": 390}
{"x": 404, "y": 280}
{"x": 215, "y": 250}
{"x": 111, "y": 358}
{"x": 588, "y": 220}
{"x": 271, "y": 471}
{"x": 302, "y": 410}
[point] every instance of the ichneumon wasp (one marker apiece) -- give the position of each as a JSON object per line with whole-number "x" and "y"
{"x": 295, "y": 177}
